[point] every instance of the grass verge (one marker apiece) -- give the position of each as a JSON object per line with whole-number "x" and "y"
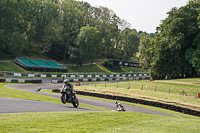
{"x": 98, "y": 122}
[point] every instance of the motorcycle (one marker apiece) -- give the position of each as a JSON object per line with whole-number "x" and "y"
{"x": 69, "y": 96}
{"x": 119, "y": 106}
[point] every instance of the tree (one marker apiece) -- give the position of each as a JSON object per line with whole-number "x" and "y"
{"x": 51, "y": 27}
{"x": 106, "y": 21}
{"x": 87, "y": 43}
{"x": 144, "y": 54}
{"x": 72, "y": 21}
{"x": 171, "y": 47}
{"x": 130, "y": 43}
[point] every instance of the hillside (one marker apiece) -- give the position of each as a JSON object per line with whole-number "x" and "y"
{"x": 10, "y": 66}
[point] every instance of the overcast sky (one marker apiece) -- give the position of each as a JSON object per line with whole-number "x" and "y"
{"x": 143, "y": 15}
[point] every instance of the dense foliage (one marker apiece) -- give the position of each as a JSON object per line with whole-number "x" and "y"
{"x": 175, "y": 49}
{"x": 69, "y": 30}
{"x": 65, "y": 30}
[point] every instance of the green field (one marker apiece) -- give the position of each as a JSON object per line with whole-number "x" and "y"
{"x": 98, "y": 122}
{"x": 104, "y": 121}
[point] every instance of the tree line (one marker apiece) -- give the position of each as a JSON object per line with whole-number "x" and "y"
{"x": 65, "y": 30}
{"x": 69, "y": 30}
{"x": 175, "y": 49}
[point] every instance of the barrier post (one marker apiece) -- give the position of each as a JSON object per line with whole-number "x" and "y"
{"x": 129, "y": 86}
{"x": 198, "y": 94}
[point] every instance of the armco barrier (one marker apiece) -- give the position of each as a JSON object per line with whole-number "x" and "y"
{"x": 21, "y": 80}
{"x": 78, "y": 75}
{"x": 100, "y": 79}
{"x": 140, "y": 101}
{"x": 12, "y": 80}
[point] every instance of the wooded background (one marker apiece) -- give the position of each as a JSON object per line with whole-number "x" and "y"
{"x": 76, "y": 32}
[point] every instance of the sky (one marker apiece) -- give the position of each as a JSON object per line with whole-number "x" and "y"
{"x": 143, "y": 15}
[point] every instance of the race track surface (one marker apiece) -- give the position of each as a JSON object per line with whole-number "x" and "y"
{"x": 12, "y": 105}
{"x": 38, "y": 106}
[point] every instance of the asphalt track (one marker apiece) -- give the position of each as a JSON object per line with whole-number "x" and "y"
{"x": 9, "y": 105}
{"x": 12, "y": 105}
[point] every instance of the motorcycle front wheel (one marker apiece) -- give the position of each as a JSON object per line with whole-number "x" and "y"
{"x": 75, "y": 103}
{"x": 63, "y": 99}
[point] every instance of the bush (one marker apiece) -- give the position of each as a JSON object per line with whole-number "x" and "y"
{"x": 108, "y": 64}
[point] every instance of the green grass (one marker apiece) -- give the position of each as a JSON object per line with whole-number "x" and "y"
{"x": 105, "y": 122}
{"x": 134, "y": 69}
{"x": 89, "y": 68}
{"x": 165, "y": 92}
{"x": 98, "y": 122}
{"x": 10, "y": 66}
{"x": 11, "y": 93}
{"x": 191, "y": 80}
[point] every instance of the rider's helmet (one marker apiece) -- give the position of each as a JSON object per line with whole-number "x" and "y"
{"x": 116, "y": 102}
{"x": 66, "y": 81}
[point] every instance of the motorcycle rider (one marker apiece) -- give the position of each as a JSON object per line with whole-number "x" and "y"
{"x": 68, "y": 86}
{"x": 118, "y": 104}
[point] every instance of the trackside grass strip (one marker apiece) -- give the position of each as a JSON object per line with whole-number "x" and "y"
{"x": 98, "y": 122}
{"x": 12, "y": 93}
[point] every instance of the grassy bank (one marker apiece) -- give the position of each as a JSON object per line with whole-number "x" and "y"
{"x": 154, "y": 91}
{"x": 10, "y": 66}
{"x": 85, "y": 69}
{"x": 104, "y": 122}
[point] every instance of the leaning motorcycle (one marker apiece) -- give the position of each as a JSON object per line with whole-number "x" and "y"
{"x": 119, "y": 106}
{"x": 69, "y": 96}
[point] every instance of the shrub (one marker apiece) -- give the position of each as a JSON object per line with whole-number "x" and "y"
{"x": 108, "y": 64}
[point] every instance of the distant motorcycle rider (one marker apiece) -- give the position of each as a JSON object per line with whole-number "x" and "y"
{"x": 118, "y": 104}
